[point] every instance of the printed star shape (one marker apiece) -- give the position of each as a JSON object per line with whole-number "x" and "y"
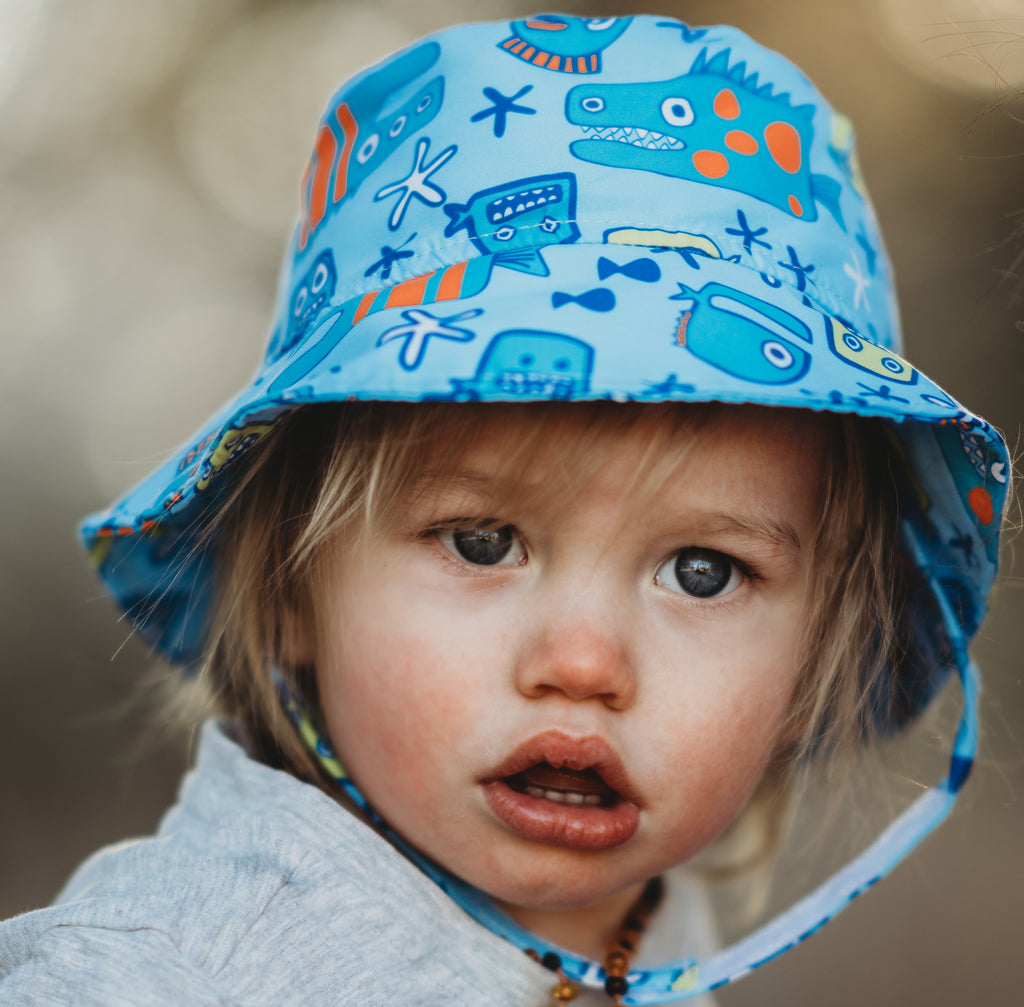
{"x": 417, "y": 184}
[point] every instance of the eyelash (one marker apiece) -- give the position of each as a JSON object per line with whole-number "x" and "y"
{"x": 444, "y": 534}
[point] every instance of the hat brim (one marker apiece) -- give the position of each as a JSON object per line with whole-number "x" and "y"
{"x": 620, "y": 323}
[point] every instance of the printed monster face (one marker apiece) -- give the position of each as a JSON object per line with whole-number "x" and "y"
{"x": 531, "y": 364}
{"x": 514, "y": 219}
{"x": 858, "y": 352}
{"x": 312, "y": 292}
{"x": 713, "y": 125}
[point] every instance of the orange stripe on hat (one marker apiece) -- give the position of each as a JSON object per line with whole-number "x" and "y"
{"x": 450, "y": 286}
{"x": 349, "y": 128}
{"x": 364, "y": 306}
{"x": 408, "y": 292}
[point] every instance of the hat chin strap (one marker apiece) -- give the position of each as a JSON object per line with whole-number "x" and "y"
{"x": 686, "y": 977}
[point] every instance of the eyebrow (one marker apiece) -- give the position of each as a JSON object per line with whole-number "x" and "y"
{"x": 775, "y": 531}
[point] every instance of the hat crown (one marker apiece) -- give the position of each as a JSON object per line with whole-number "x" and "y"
{"x": 503, "y": 139}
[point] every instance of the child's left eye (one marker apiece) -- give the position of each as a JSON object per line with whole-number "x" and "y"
{"x": 484, "y": 547}
{"x": 699, "y": 573}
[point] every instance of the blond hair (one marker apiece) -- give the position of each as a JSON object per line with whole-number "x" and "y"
{"x": 335, "y": 474}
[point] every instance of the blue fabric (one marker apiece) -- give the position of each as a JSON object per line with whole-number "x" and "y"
{"x": 627, "y": 209}
{"x": 624, "y": 209}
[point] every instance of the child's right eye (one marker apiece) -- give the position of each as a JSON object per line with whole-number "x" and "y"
{"x": 484, "y": 547}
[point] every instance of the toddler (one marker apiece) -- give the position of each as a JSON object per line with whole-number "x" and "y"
{"x": 580, "y": 500}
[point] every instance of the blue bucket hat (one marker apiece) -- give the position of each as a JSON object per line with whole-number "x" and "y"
{"x": 576, "y": 209}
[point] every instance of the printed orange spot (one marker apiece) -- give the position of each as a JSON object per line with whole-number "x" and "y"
{"x": 980, "y": 502}
{"x": 511, "y": 42}
{"x": 581, "y": 64}
{"x": 569, "y": 68}
{"x": 784, "y": 143}
{"x": 451, "y": 282}
{"x": 710, "y": 163}
{"x": 408, "y": 292}
{"x": 795, "y": 207}
{"x": 541, "y": 58}
{"x": 593, "y": 61}
{"x": 546, "y": 25}
{"x": 519, "y": 48}
{"x": 726, "y": 106}
{"x": 556, "y": 62}
{"x": 741, "y": 142}
{"x": 528, "y": 54}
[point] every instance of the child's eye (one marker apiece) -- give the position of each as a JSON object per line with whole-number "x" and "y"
{"x": 484, "y": 547}
{"x": 699, "y": 573}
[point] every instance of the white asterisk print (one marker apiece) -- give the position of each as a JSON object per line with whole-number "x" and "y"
{"x": 416, "y": 183}
{"x": 422, "y": 325}
{"x": 860, "y": 283}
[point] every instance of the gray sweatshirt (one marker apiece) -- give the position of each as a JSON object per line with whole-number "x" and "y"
{"x": 259, "y": 890}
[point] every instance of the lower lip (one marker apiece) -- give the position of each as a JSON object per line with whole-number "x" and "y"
{"x": 573, "y": 826}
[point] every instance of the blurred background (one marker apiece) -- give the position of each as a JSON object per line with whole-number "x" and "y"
{"x": 150, "y": 152}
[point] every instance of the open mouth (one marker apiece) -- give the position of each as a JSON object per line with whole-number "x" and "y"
{"x": 649, "y": 139}
{"x": 564, "y": 786}
{"x": 565, "y": 791}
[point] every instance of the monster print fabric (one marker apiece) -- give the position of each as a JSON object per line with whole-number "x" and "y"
{"x": 652, "y": 213}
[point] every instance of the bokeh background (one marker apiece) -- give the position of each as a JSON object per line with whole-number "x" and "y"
{"x": 149, "y": 158}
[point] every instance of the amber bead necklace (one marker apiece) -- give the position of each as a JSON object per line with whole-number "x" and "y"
{"x": 619, "y": 954}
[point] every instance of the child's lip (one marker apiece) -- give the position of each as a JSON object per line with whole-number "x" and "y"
{"x": 591, "y": 828}
{"x": 561, "y": 750}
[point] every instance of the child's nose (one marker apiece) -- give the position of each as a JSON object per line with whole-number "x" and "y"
{"x": 581, "y": 657}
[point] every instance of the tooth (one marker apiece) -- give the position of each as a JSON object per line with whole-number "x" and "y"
{"x": 592, "y": 799}
{"x": 536, "y": 791}
{"x": 571, "y": 797}
{"x": 642, "y": 133}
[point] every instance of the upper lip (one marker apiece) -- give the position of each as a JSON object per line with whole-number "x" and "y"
{"x": 562, "y": 750}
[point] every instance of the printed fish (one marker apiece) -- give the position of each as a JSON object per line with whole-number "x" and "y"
{"x": 355, "y": 138}
{"x": 598, "y": 299}
{"x": 715, "y": 125}
{"x": 463, "y": 279}
{"x": 515, "y": 218}
{"x": 565, "y": 44}
{"x": 742, "y": 335}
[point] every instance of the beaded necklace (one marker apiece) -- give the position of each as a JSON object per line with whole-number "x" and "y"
{"x": 620, "y": 951}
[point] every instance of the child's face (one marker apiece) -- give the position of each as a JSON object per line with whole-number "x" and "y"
{"x": 648, "y": 643}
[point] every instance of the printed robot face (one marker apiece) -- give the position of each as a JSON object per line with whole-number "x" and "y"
{"x": 531, "y": 364}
